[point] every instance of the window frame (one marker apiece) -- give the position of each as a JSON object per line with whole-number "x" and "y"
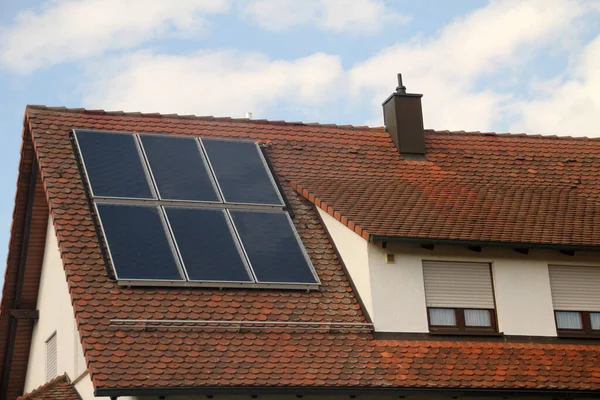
{"x": 586, "y": 330}
{"x": 461, "y": 328}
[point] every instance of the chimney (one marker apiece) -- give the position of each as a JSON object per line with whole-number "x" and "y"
{"x": 403, "y": 118}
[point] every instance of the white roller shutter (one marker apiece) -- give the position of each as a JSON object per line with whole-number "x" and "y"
{"x": 51, "y": 358}
{"x": 458, "y": 284}
{"x": 575, "y": 288}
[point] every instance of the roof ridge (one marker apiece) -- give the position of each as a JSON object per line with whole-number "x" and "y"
{"x": 48, "y": 385}
{"x": 297, "y": 123}
{"x": 509, "y": 134}
{"x": 200, "y": 117}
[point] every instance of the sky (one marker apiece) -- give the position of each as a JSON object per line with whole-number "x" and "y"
{"x": 506, "y": 66}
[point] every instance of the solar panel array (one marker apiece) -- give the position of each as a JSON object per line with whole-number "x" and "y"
{"x": 186, "y": 210}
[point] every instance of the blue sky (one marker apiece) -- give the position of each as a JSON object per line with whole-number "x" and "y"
{"x": 507, "y": 65}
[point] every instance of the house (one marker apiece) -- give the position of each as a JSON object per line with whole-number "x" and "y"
{"x": 164, "y": 256}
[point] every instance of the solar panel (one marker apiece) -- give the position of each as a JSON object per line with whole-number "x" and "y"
{"x": 113, "y": 164}
{"x": 274, "y": 250}
{"x": 241, "y": 172}
{"x": 138, "y": 242}
{"x": 231, "y": 231}
{"x": 207, "y": 245}
{"x": 178, "y": 168}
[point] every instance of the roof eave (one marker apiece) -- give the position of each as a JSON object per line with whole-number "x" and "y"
{"x": 483, "y": 243}
{"x": 299, "y": 390}
{"x": 14, "y": 296}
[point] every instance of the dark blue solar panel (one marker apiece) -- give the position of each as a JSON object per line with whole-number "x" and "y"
{"x": 274, "y": 251}
{"x": 178, "y": 168}
{"x": 113, "y": 164}
{"x": 138, "y": 242}
{"x": 207, "y": 245}
{"x": 241, "y": 172}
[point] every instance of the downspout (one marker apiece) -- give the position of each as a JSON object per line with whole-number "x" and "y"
{"x": 22, "y": 262}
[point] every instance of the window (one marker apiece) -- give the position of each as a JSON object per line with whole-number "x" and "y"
{"x": 460, "y": 297}
{"x": 191, "y": 211}
{"x": 576, "y": 300}
{"x": 51, "y": 357}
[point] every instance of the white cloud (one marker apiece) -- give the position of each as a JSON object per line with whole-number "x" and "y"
{"x": 357, "y": 16}
{"x": 217, "y": 83}
{"x": 496, "y": 40}
{"x": 568, "y": 105}
{"x": 447, "y": 68}
{"x": 74, "y": 29}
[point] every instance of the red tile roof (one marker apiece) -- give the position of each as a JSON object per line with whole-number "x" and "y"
{"x": 472, "y": 187}
{"x": 60, "y": 388}
{"x": 333, "y": 164}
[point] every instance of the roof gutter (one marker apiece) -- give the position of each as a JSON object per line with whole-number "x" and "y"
{"x": 482, "y": 243}
{"x": 301, "y": 391}
{"x": 20, "y": 277}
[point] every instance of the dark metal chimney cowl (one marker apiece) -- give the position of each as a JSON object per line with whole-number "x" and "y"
{"x": 403, "y": 118}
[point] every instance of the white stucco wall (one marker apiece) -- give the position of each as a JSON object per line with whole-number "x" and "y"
{"x": 394, "y": 297}
{"x": 56, "y": 315}
{"x": 395, "y": 291}
{"x": 85, "y": 388}
{"x": 353, "y": 250}
{"x": 399, "y": 297}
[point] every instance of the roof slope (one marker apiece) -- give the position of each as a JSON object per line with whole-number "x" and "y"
{"x": 472, "y": 187}
{"x": 133, "y": 358}
{"x": 59, "y": 388}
